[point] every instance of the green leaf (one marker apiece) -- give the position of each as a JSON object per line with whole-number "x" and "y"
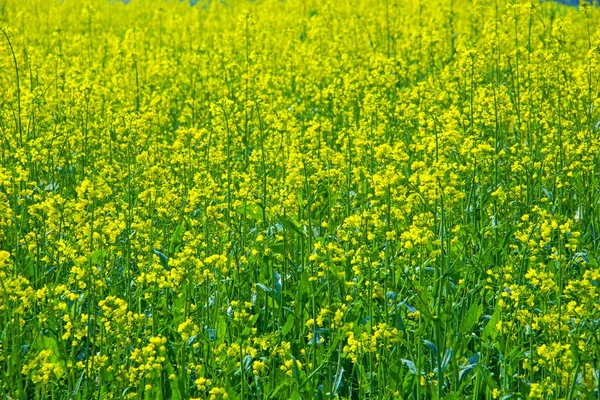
{"x": 176, "y": 239}
{"x": 408, "y": 383}
{"x": 279, "y": 248}
{"x": 251, "y": 211}
{"x": 278, "y": 388}
{"x": 490, "y": 331}
{"x": 488, "y": 379}
{"x": 164, "y": 260}
{"x": 50, "y": 343}
{"x": 76, "y": 390}
{"x": 432, "y": 348}
{"x": 451, "y": 396}
{"x": 264, "y": 287}
{"x": 337, "y": 382}
{"x": 289, "y": 324}
{"x": 174, "y": 384}
{"x": 292, "y": 225}
{"x": 446, "y": 360}
{"x": 221, "y": 330}
{"x": 295, "y": 395}
{"x": 472, "y": 362}
{"x": 97, "y": 257}
{"x": 248, "y": 360}
{"x": 300, "y": 200}
{"x": 471, "y": 318}
{"x": 411, "y": 366}
{"x": 295, "y": 369}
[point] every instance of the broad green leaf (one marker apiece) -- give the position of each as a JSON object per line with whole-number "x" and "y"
{"x": 411, "y": 365}
{"x": 470, "y": 318}
{"x": 446, "y": 360}
{"x": 221, "y": 330}
{"x": 289, "y": 324}
{"x": 251, "y": 211}
{"x": 176, "y": 239}
{"x": 491, "y": 331}
{"x": 471, "y": 363}
{"x": 173, "y": 383}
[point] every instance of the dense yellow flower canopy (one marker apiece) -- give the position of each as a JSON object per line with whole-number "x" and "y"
{"x": 299, "y": 199}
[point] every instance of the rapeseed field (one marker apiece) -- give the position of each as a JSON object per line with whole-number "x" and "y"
{"x": 299, "y": 199}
